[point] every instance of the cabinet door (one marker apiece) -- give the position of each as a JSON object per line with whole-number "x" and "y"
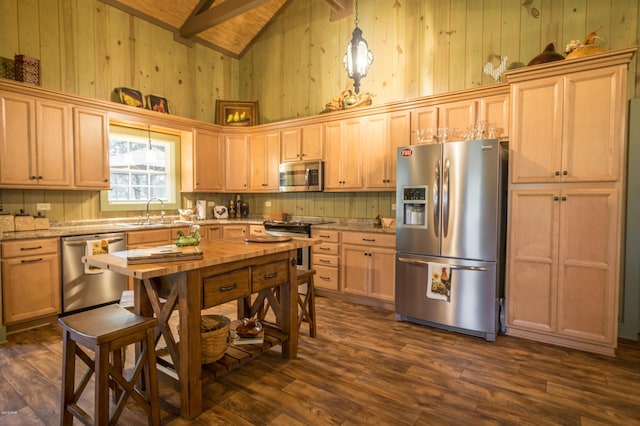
{"x": 376, "y": 133}
{"x": 54, "y": 146}
{"x": 30, "y": 287}
{"x": 536, "y": 135}
{"x": 17, "y": 140}
{"x": 91, "y": 148}
{"x": 236, "y": 162}
{"x": 290, "y": 144}
{"x": 532, "y": 265}
{"x": 212, "y": 232}
{"x": 423, "y": 119}
{"x": 311, "y": 143}
{"x": 593, "y": 125}
{"x": 332, "y": 155}
{"x": 234, "y": 231}
{"x": 382, "y": 273}
{"x": 588, "y": 265}
{"x": 457, "y": 116}
{"x": 208, "y": 164}
{"x": 495, "y": 110}
{"x": 264, "y": 151}
{"x": 355, "y": 265}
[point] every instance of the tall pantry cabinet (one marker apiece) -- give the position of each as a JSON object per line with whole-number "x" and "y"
{"x": 566, "y": 198}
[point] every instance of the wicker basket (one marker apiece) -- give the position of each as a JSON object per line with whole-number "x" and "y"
{"x": 27, "y": 69}
{"x": 214, "y": 337}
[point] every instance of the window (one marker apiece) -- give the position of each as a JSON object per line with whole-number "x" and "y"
{"x": 143, "y": 165}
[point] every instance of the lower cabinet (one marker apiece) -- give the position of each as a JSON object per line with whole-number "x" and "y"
{"x": 235, "y": 231}
{"x": 563, "y": 260}
{"x": 368, "y": 265}
{"x": 30, "y": 279}
{"x": 325, "y": 259}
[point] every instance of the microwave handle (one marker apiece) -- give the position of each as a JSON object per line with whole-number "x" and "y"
{"x": 306, "y": 177}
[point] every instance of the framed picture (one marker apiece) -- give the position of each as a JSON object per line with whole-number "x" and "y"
{"x": 156, "y": 103}
{"x": 236, "y": 113}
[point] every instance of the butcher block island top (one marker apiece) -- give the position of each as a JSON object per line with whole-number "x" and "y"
{"x": 233, "y": 269}
{"x": 215, "y": 252}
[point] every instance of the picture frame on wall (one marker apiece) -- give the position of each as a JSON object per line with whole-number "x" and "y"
{"x": 236, "y": 113}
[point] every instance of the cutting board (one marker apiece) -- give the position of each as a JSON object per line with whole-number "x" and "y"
{"x": 163, "y": 254}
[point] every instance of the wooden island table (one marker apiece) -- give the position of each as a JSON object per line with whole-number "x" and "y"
{"x": 229, "y": 270}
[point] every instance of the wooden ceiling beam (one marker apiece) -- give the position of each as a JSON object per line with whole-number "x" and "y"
{"x": 198, "y": 22}
{"x": 340, "y": 8}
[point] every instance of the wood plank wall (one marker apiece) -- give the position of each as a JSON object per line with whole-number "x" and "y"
{"x": 294, "y": 67}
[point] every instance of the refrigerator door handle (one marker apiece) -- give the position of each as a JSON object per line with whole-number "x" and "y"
{"x": 445, "y": 200}
{"x": 459, "y": 267}
{"x": 436, "y": 200}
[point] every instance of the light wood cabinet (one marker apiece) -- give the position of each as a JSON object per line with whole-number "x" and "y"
{"x": 35, "y": 142}
{"x": 568, "y": 128}
{"x": 256, "y": 230}
{"x": 264, "y": 159}
{"x": 457, "y": 117}
{"x": 202, "y": 158}
{"x": 343, "y": 155}
{"x": 234, "y": 231}
{"x": 30, "y": 279}
{"x": 91, "y": 148}
{"x": 496, "y": 110}
{"x": 211, "y": 232}
{"x": 384, "y": 133}
{"x": 368, "y": 265}
{"x": 153, "y": 237}
{"x": 236, "y": 148}
{"x": 566, "y": 197}
{"x": 563, "y": 265}
{"x": 325, "y": 259}
{"x": 304, "y": 143}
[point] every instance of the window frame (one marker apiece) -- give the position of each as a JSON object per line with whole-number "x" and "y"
{"x": 139, "y": 130}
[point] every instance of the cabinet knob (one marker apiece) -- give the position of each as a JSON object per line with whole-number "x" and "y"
{"x": 564, "y": 198}
{"x": 105, "y": 180}
{"x": 556, "y": 198}
{"x": 557, "y": 173}
{"x": 565, "y": 173}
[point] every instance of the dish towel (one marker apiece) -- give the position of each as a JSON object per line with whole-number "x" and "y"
{"x": 439, "y": 282}
{"x": 95, "y": 247}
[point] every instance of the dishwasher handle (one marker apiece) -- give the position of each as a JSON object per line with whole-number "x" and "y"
{"x": 80, "y": 243}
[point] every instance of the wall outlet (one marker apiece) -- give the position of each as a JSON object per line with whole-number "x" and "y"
{"x": 41, "y": 207}
{"x": 393, "y": 206}
{"x": 267, "y": 203}
{"x": 211, "y": 203}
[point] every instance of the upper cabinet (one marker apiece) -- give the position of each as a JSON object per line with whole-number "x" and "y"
{"x": 35, "y": 142}
{"x": 302, "y": 143}
{"x": 264, "y": 159}
{"x": 91, "y": 148}
{"x": 457, "y": 117}
{"x": 384, "y": 133}
{"x": 202, "y": 157}
{"x": 568, "y": 128}
{"x": 343, "y": 155}
{"x": 236, "y": 148}
{"x": 495, "y": 110}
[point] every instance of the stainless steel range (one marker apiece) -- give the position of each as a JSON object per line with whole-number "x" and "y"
{"x": 292, "y": 229}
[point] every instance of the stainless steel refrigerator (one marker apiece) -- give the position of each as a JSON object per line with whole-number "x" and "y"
{"x": 450, "y": 233}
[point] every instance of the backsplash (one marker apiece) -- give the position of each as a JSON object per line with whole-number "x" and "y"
{"x": 85, "y": 205}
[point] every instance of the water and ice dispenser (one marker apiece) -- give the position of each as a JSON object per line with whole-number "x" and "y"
{"x": 414, "y": 205}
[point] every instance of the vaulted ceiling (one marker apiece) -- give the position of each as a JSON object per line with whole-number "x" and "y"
{"x": 228, "y": 26}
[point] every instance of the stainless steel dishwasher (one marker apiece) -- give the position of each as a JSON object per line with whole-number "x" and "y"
{"x": 84, "y": 287}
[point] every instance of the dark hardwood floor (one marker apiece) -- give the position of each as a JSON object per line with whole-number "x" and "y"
{"x": 366, "y": 368}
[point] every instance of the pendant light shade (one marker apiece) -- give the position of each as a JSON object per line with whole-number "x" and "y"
{"x": 358, "y": 57}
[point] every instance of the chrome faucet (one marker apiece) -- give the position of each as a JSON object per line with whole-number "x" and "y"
{"x": 161, "y": 211}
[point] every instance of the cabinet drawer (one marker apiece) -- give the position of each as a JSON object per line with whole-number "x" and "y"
{"x": 256, "y": 230}
{"x": 325, "y": 235}
{"x": 325, "y": 248}
{"x": 325, "y": 260}
{"x": 223, "y": 288}
{"x": 29, "y": 247}
{"x": 150, "y": 238}
{"x": 369, "y": 239}
{"x": 269, "y": 275}
{"x": 326, "y": 277}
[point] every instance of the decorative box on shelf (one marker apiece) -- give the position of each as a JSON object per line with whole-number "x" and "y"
{"x": 27, "y": 69}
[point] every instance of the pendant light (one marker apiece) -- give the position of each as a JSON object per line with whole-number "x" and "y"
{"x": 150, "y": 156}
{"x": 358, "y": 56}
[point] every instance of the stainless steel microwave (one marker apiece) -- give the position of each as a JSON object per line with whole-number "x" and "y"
{"x": 302, "y": 176}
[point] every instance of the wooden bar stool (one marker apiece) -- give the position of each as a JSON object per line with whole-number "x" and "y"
{"x": 106, "y": 331}
{"x": 307, "y": 299}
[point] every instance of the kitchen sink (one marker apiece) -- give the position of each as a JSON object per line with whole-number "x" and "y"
{"x": 142, "y": 225}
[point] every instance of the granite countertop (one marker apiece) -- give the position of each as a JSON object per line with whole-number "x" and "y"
{"x": 102, "y": 226}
